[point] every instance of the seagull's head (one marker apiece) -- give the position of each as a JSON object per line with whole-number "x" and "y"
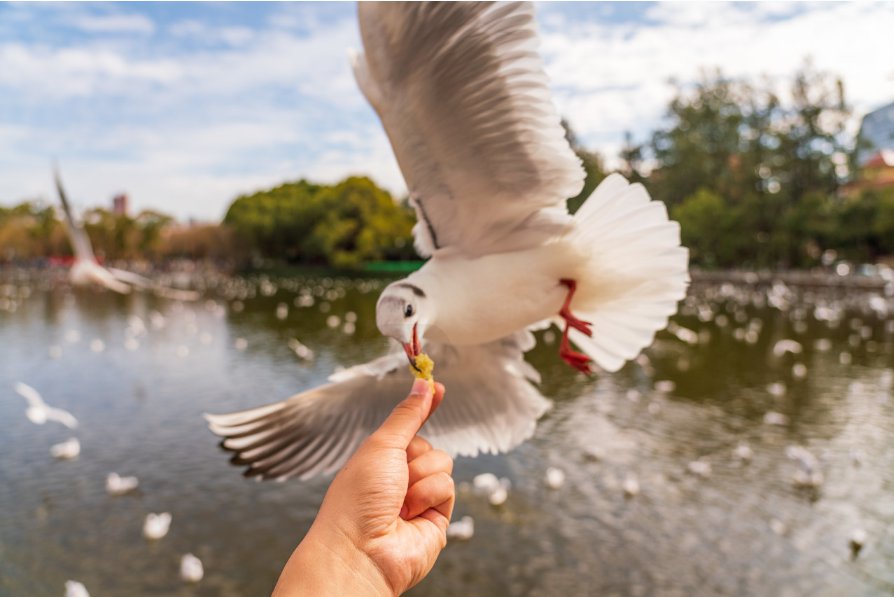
{"x": 403, "y": 313}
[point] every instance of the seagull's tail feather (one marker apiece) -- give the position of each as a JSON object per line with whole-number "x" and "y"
{"x": 635, "y": 272}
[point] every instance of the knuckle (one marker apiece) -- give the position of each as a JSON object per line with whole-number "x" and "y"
{"x": 445, "y": 479}
{"x": 444, "y": 459}
{"x": 405, "y": 409}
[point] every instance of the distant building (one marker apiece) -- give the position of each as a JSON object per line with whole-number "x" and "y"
{"x": 119, "y": 204}
{"x": 877, "y": 172}
{"x": 876, "y": 134}
{"x": 875, "y": 153}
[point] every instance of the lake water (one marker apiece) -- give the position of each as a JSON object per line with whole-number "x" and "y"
{"x": 744, "y": 527}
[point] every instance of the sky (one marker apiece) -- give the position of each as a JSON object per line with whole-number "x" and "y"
{"x": 185, "y": 106}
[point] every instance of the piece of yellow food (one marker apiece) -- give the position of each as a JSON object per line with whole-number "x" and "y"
{"x": 423, "y": 369}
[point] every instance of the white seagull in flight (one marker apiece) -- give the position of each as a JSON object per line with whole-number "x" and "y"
{"x": 39, "y": 412}
{"x": 86, "y": 270}
{"x": 462, "y": 95}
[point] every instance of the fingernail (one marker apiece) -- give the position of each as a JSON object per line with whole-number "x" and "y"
{"x": 403, "y": 512}
{"x": 420, "y": 387}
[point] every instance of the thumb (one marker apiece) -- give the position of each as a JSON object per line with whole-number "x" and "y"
{"x": 407, "y": 417}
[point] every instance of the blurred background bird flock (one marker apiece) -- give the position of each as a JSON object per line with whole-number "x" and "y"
{"x": 747, "y": 450}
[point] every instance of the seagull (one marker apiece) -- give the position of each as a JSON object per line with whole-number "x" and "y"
{"x": 463, "y": 97}
{"x": 67, "y": 450}
{"x": 462, "y": 529}
{"x": 156, "y": 526}
{"x": 118, "y": 485}
{"x": 39, "y": 412}
{"x": 86, "y": 270}
{"x": 191, "y": 569}
{"x": 74, "y": 588}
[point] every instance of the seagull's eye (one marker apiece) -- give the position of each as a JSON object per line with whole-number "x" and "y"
{"x": 409, "y": 310}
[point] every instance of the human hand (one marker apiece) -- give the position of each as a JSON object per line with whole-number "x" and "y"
{"x": 384, "y": 519}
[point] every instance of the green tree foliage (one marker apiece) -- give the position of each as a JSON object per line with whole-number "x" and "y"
{"x": 755, "y": 179}
{"x": 344, "y": 225}
{"x": 30, "y": 230}
{"x": 704, "y": 220}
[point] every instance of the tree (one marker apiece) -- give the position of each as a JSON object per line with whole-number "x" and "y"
{"x": 774, "y": 166}
{"x": 342, "y": 225}
{"x": 704, "y": 227}
{"x": 632, "y": 155}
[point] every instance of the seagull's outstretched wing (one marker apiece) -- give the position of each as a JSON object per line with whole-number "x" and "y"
{"x": 144, "y": 283}
{"x": 80, "y": 242}
{"x": 461, "y": 92}
{"x": 490, "y": 406}
{"x": 31, "y": 396}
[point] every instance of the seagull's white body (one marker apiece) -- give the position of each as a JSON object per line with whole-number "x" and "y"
{"x": 86, "y": 272}
{"x": 462, "y": 95}
{"x": 469, "y": 311}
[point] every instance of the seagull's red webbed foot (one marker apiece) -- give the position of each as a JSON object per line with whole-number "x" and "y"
{"x": 576, "y": 359}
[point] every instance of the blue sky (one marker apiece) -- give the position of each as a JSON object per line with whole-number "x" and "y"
{"x": 185, "y": 106}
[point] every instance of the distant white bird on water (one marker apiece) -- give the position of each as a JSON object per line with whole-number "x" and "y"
{"x": 86, "y": 270}
{"x": 74, "y": 588}
{"x": 67, "y": 450}
{"x": 191, "y": 569}
{"x": 156, "y": 526}
{"x": 39, "y": 412}
{"x": 555, "y": 477}
{"x": 462, "y": 529}
{"x": 462, "y": 95}
{"x": 118, "y": 485}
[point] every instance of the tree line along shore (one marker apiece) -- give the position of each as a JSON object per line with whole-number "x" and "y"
{"x": 760, "y": 175}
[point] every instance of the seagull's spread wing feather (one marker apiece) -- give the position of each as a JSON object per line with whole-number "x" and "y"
{"x": 131, "y": 278}
{"x": 144, "y": 283}
{"x": 80, "y": 242}
{"x": 40, "y": 412}
{"x": 31, "y": 395}
{"x": 491, "y": 407}
{"x": 461, "y": 92}
{"x": 62, "y": 416}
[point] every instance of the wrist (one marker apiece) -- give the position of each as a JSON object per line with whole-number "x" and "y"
{"x": 328, "y": 562}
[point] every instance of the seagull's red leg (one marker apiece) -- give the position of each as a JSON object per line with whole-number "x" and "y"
{"x": 576, "y": 359}
{"x": 565, "y": 311}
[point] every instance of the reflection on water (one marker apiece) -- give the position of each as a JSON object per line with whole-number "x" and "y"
{"x": 756, "y": 461}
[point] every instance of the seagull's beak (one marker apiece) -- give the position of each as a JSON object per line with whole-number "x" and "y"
{"x": 413, "y": 349}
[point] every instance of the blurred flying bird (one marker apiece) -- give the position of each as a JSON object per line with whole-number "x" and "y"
{"x": 39, "y": 412}
{"x": 464, "y": 100}
{"x": 86, "y": 270}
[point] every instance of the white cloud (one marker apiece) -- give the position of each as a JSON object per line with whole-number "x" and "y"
{"x": 120, "y": 23}
{"x": 233, "y": 36}
{"x": 43, "y": 72}
{"x": 368, "y": 153}
{"x": 186, "y": 129}
{"x": 611, "y": 78}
